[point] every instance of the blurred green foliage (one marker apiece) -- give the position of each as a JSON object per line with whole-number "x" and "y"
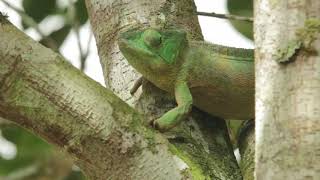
{"x": 81, "y": 11}
{"x": 33, "y": 151}
{"x": 30, "y": 149}
{"x": 242, "y": 8}
{"x": 38, "y": 10}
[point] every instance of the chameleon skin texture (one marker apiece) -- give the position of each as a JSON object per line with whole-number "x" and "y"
{"x": 216, "y": 79}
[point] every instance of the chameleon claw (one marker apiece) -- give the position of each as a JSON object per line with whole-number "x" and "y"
{"x": 155, "y": 125}
{"x": 152, "y": 123}
{"x": 160, "y": 125}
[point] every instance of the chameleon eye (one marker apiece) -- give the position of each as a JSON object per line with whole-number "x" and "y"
{"x": 152, "y": 38}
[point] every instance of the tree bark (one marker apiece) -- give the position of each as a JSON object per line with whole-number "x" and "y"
{"x": 288, "y": 92}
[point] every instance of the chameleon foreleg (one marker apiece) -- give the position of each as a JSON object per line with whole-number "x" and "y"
{"x": 174, "y": 116}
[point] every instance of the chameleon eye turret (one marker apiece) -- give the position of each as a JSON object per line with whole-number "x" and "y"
{"x": 152, "y": 38}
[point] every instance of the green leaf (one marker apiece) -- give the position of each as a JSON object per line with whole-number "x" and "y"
{"x": 30, "y": 149}
{"x": 38, "y": 9}
{"x": 242, "y": 8}
{"x": 81, "y": 11}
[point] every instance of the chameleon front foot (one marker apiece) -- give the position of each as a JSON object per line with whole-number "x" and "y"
{"x": 162, "y": 124}
{"x": 172, "y": 118}
{"x": 179, "y": 113}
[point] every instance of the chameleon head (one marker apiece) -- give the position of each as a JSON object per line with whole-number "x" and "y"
{"x": 152, "y": 51}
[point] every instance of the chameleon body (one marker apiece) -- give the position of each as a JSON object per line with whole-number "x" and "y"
{"x": 214, "y": 78}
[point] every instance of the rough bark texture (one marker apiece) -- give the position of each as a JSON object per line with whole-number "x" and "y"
{"x": 207, "y": 147}
{"x": 288, "y": 93}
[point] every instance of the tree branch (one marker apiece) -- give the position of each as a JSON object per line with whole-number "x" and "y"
{"x": 226, "y": 16}
{"x": 76, "y": 28}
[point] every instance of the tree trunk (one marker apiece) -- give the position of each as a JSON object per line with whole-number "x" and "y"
{"x": 287, "y": 89}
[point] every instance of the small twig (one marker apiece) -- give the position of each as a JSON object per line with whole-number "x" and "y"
{"x": 226, "y": 16}
{"x": 88, "y": 44}
{"x": 31, "y": 23}
{"x": 136, "y": 85}
{"x": 76, "y": 27}
{"x": 83, "y": 56}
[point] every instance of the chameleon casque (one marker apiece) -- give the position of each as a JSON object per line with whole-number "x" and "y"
{"x": 216, "y": 79}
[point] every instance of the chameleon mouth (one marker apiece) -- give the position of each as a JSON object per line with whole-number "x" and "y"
{"x": 128, "y": 47}
{"x": 123, "y": 43}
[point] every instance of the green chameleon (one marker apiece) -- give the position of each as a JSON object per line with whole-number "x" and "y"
{"x": 216, "y": 79}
